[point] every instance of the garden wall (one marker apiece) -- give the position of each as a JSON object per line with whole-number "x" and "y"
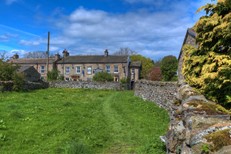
{"x": 85, "y": 84}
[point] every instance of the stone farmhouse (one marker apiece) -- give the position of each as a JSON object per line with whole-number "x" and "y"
{"x": 83, "y": 68}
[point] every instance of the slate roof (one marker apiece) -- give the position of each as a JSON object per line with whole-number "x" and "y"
{"x": 191, "y": 32}
{"x": 93, "y": 59}
{"x": 32, "y": 61}
{"x": 23, "y": 68}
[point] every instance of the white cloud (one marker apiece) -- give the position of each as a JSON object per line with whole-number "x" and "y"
{"x": 153, "y": 34}
{"x": 31, "y": 43}
{"x": 141, "y": 31}
{"x": 6, "y": 37}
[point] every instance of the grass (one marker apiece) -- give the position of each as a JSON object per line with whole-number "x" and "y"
{"x": 79, "y": 121}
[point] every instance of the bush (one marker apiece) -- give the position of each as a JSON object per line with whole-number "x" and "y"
{"x": 52, "y": 75}
{"x": 168, "y": 68}
{"x": 61, "y": 77}
{"x": 102, "y": 77}
{"x": 124, "y": 80}
{"x": 208, "y": 67}
{"x": 210, "y": 73}
{"x": 18, "y": 79}
{"x": 7, "y": 71}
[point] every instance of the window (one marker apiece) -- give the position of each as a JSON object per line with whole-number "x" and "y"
{"x": 67, "y": 70}
{"x": 78, "y": 69}
{"x": 89, "y": 70}
{"x": 108, "y": 68}
{"x": 133, "y": 71}
{"x": 42, "y": 69}
{"x": 116, "y": 69}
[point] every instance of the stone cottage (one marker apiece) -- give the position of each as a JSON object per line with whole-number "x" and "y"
{"x": 40, "y": 64}
{"x": 83, "y": 68}
{"x": 30, "y": 73}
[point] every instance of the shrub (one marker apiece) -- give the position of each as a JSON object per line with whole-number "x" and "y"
{"x": 7, "y": 71}
{"x": 208, "y": 67}
{"x": 209, "y": 73}
{"x": 124, "y": 80}
{"x": 18, "y": 79}
{"x": 168, "y": 68}
{"x": 102, "y": 77}
{"x": 61, "y": 77}
{"x": 52, "y": 75}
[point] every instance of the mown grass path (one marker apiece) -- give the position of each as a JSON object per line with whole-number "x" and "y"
{"x": 79, "y": 121}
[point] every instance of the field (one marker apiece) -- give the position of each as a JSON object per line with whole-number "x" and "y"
{"x": 79, "y": 121}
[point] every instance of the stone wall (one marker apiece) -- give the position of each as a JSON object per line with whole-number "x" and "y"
{"x": 85, "y": 84}
{"x": 197, "y": 125}
{"x": 35, "y": 85}
{"x": 162, "y": 93}
{"x": 8, "y": 85}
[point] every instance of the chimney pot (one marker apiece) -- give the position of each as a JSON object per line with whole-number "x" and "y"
{"x": 65, "y": 53}
{"x": 15, "y": 56}
{"x": 106, "y": 53}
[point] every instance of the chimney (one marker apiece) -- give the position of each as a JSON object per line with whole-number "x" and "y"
{"x": 65, "y": 53}
{"x": 106, "y": 53}
{"x": 57, "y": 57}
{"x": 15, "y": 56}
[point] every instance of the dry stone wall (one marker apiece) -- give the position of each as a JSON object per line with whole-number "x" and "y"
{"x": 85, "y": 84}
{"x": 162, "y": 93}
{"x": 8, "y": 85}
{"x": 197, "y": 125}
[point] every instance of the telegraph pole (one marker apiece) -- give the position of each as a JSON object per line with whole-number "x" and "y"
{"x": 48, "y": 50}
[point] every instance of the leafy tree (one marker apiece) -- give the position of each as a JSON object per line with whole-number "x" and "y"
{"x": 155, "y": 74}
{"x": 208, "y": 67}
{"x": 102, "y": 77}
{"x": 147, "y": 64}
{"x": 8, "y": 72}
{"x": 169, "y": 67}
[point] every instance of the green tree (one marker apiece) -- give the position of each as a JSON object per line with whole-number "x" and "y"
{"x": 208, "y": 67}
{"x": 102, "y": 77}
{"x": 147, "y": 64}
{"x": 168, "y": 68}
{"x": 8, "y": 72}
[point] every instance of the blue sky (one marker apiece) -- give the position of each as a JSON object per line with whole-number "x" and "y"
{"x": 153, "y": 28}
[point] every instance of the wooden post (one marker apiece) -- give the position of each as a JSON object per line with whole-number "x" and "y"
{"x": 48, "y": 50}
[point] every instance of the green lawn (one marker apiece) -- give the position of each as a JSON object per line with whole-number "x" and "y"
{"x": 79, "y": 121}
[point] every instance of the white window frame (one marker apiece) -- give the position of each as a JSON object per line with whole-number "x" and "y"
{"x": 108, "y": 68}
{"x": 78, "y": 69}
{"x": 67, "y": 68}
{"x": 42, "y": 69}
{"x": 89, "y": 70}
{"x": 116, "y": 70}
